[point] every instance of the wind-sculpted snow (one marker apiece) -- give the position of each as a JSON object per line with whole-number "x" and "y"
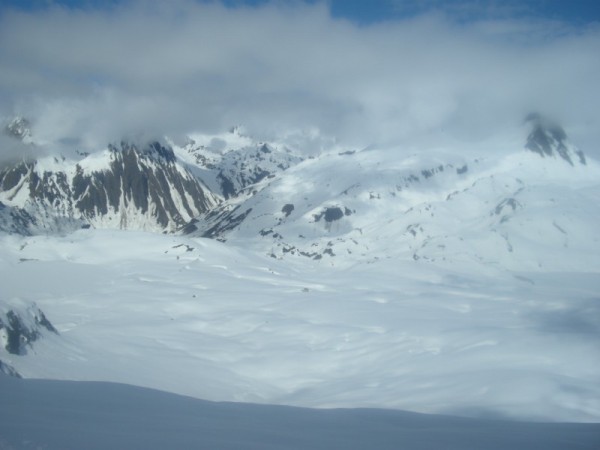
{"x": 201, "y": 318}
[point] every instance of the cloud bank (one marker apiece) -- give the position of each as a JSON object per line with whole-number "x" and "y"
{"x": 90, "y": 76}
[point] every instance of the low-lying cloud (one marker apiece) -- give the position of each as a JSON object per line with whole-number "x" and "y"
{"x": 94, "y": 76}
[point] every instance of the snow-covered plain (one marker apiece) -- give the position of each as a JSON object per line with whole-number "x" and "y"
{"x": 204, "y": 319}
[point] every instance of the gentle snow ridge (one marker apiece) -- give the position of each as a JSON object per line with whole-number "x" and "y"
{"x": 60, "y": 414}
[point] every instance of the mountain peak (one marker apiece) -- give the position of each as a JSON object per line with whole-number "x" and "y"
{"x": 547, "y": 138}
{"x": 153, "y": 150}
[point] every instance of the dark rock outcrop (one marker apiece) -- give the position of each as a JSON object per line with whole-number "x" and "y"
{"x": 332, "y": 213}
{"x": 19, "y": 329}
{"x": 549, "y": 139}
{"x": 9, "y": 370}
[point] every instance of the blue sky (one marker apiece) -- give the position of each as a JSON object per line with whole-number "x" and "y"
{"x": 581, "y": 11}
{"x": 375, "y": 11}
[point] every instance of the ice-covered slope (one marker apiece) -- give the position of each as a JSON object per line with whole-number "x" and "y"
{"x": 201, "y": 318}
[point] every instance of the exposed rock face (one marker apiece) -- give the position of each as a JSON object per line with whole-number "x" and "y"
{"x": 124, "y": 187}
{"x": 218, "y": 222}
{"x": 9, "y": 370}
{"x": 287, "y": 209}
{"x": 332, "y": 214}
{"x": 16, "y": 220}
{"x": 549, "y": 139}
{"x": 19, "y": 328}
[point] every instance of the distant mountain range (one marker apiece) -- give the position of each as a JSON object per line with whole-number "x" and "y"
{"x": 339, "y": 206}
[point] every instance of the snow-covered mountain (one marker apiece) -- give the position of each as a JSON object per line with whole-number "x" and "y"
{"x": 123, "y": 186}
{"x": 341, "y": 206}
{"x": 234, "y": 162}
{"x": 451, "y": 280}
{"x": 527, "y": 207}
{"x": 155, "y": 186}
{"x": 549, "y": 139}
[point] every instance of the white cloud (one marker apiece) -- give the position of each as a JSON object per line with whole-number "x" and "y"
{"x": 173, "y": 67}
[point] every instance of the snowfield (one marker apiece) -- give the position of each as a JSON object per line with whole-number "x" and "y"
{"x": 458, "y": 284}
{"x": 107, "y": 416}
{"x": 203, "y": 319}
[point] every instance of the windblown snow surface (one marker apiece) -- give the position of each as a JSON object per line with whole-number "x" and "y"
{"x": 195, "y": 317}
{"x": 490, "y": 316}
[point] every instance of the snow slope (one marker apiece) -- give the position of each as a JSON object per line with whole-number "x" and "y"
{"x": 231, "y": 163}
{"x": 200, "y": 318}
{"x": 60, "y": 415}
{"x": 511, "y": 210}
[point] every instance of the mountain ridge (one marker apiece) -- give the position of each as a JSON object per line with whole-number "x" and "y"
{"x": 125, "y": 186}
{"x": 446, "y": 281}
{"x": 334, "y": 206}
